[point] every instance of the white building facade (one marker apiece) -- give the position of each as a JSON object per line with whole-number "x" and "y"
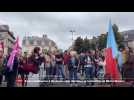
{"x": 29, "y": 43}
{"x": 7, "y": 38}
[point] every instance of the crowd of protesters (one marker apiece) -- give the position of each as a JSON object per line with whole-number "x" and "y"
{"x": 67, "y": 65}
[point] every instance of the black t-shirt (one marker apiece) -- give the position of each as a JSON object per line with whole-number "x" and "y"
{"x": 82, "y": 58}
{"x": 57, "y": 57}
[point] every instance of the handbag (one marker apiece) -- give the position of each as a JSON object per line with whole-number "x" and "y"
{"x": 30, "y": 68}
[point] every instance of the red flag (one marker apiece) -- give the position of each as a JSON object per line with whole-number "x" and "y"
{"x": 111, "y": 68}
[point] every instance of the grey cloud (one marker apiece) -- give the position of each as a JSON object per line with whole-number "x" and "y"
{"x": 58, "y": 24}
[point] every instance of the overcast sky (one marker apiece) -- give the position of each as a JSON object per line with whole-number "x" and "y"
{"x": 58, "y": 24}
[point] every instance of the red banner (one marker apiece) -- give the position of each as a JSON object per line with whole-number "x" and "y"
{"x": 111, "y": 68}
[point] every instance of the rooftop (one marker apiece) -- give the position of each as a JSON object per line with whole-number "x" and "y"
{"x": 129, "y": 35}
{"x": 5, "y": 28}
{"x": 39, "y": 40}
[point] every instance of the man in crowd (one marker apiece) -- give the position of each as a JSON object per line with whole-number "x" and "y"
{"x": 11, "y": 74}
{"x": 89, "y": 66}
{"x": 59, "y": 65}
{"x": 81, "y": 62}
{"x": 66, "y": 59}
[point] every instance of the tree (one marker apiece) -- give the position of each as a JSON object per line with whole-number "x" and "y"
{"x": 78, "y": 44}
{"x": 118, "y": 36}
{"x": 99, "y": 42}
{"x": 102, "y": 41}
{"x": 86, "y": 44}
{"x": 94, "y": 43}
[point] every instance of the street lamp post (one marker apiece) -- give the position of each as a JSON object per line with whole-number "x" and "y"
{"x": 72, "y": 31}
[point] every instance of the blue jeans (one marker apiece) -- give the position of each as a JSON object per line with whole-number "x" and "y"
{"x": 89, "y": 72}
{"x": 48, "y": 73}
{"x": 60, "y": 70}
{"x": 73, "y": 74}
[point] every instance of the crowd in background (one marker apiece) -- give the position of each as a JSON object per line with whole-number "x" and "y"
{"x": 67, "y": 65}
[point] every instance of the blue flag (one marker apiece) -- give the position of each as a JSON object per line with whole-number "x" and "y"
{"x": 111, "y": 43}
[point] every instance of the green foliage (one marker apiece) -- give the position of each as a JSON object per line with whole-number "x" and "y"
{"x": 78, "y": 44}
{"x": 102, "y": 39}
{"x": 118, "y": 36}
{"x": 97, "y": 42}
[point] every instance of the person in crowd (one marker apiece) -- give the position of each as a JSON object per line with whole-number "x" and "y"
{"x": 81, "y": 61}
{"x": 53, "y": 64}
{"x": 48, "y": 65}
{"x": 24, "y": 73}
{"x": 101, "y": 68}
{"x": 128, "y": 68}
{"x": 21, "y": 71}
{"x": 73, "y": 65}
{"x": 66, "y": 58}
{"x": 41, "y": 72}
{"x": 35, "y": 59}
{"x": 59, "y": 65}
{"x": 95, "y": 56}
{"x": 89, "y": 66}
{"x": 12, "y": 74}
{"x": 32, "y": 62}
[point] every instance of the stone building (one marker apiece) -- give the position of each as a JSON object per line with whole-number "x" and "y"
{"x": 44, "y": 42}
{"x": 7, "y": 37}
{"x": 129, "y": 38}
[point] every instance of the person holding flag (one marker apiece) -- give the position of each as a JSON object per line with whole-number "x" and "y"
{"x": 111, "y": 55}
{"x": 12, "y": 65}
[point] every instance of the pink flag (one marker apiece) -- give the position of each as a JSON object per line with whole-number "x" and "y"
{"x": 12, "y": 54}
{"x": 2, "y": 45}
